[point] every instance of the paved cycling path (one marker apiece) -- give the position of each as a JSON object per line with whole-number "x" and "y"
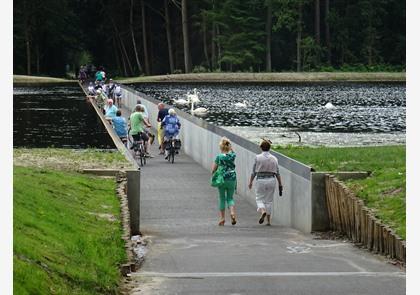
{"x": 190, "y": 254}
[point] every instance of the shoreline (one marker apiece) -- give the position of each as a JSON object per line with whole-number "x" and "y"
{"x": 257, "y": 78}
{"x": 23, "y": 80}
{"x": 309, "y": 77}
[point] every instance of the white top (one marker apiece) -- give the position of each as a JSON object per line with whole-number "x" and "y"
{"x": 265, "y": 162}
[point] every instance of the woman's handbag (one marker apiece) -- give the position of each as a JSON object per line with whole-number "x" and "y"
{"x": 217, "y": 178}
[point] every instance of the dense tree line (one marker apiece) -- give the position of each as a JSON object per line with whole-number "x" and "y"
{"x": 145, "y": 37}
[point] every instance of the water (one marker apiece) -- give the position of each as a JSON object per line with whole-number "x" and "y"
{"x": 363, "y": 113}
{"x": 358, "y": 107}
{"x": 56, "y": 117}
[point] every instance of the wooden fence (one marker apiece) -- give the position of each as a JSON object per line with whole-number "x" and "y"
{"x": 347, "y": 214}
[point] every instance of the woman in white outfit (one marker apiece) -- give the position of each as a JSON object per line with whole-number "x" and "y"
{"x": 266, "y": 170}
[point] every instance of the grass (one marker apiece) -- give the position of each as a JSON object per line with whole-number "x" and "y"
{"x": 69, "y": 159}
{"x": 272, "y": 77}
{"x": 384, "y": 191}
{"x": 37, "y": 79}
{"x": 66, "y": 233}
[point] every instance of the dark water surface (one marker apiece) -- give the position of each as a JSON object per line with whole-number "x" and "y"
{"x": 359, "y": 107}
{"x": 56, "y": 117}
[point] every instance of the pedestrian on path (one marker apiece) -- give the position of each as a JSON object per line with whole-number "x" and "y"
{"x": 266, "y": 170}
{"x": 163, "y": 112}
{"x": 226, "y": 160}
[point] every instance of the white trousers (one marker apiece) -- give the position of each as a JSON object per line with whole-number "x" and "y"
{"x": 264, "y": 190}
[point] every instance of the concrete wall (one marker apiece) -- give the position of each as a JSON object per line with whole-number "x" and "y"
{"x": 200, "y": 141}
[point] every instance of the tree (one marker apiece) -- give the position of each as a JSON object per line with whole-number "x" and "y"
{"x": 268, "y": 29}
{"x": 186, "y": 36}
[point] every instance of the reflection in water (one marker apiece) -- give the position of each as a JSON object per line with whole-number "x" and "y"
{"x": 56, "y": 117}
{"x": 368, "y": 107}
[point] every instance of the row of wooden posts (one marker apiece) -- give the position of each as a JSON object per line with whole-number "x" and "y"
{"x": 349, "y": 215}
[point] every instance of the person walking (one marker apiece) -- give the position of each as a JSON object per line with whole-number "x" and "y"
{"x": 120, "y": 125}
{"x": 163, "y": 112}
{"x": 266, "y": 170}
{"x": 226, "y": 160}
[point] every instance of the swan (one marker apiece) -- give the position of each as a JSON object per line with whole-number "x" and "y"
{"x": 193, "y": 97}
{"x": 180, "y": 101}
{"x": 198, "y": 111}
{"x": 241, "y": 104}
{"x": 329, "y": 106}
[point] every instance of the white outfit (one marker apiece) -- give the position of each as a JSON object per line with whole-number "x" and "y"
{"x": 264, "y": 190}
{"x": 265, "y": 169}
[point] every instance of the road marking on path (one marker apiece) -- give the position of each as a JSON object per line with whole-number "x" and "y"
{"x": 195, "y": 275}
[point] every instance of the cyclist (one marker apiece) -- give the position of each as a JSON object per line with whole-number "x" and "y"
{"x": 145, "y": 114}
{"x": 137, "y": 123}
{"x": 171, "y": 125}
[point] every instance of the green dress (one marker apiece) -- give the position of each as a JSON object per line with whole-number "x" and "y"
{"x": 226, "y": 191}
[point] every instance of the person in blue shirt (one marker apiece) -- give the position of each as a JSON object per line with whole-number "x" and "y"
{"x": 171, "y": 126}
{"x": 110, "y": 109}
{"x": 120, "y": 126}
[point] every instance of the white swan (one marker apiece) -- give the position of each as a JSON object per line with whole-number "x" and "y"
{"x": 198, "y": 111}
{"x": 241, "y": 104}
{"x": 329, "y": 106}
{"x": 193, "y": 97}
{"x": 181, "y": 102}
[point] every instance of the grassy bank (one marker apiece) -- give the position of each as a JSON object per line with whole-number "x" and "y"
{"x": 68, "y": 159}
{"x": 272, "y": 77}
{"x": 66, "y": 233}
{"x": 22, "y": 79}
{"x": 384, "y": 191}
{"x": 66, "y": 226}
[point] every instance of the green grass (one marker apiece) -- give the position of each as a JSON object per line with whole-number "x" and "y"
{"x": 271, "y": 77}
{"x": 69, "y": 159}
{"x": 38, "y": 79}
{"x": 384, "y": 191}
{"x": 61, "y": 243}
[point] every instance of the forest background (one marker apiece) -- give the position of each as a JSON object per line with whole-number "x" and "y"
{"x": 151, "y": 37}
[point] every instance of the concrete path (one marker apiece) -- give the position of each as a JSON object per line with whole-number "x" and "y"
{"x": 190, "y": 254}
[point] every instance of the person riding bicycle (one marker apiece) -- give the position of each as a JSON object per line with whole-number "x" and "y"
{"x": 171, "y": 125}
{"x": 137, "y": 123}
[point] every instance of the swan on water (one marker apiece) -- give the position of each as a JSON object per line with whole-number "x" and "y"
{"x": 181, "y": 101}
{"x": 198, "y": 111}
{"x": 329, "y": 106}
{"x": 193, "y": 97}
{"x": 241, "y": 104}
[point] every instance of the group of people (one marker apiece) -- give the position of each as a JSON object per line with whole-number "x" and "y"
{"x": 138, "y": 125}
{"x": 266, "y": 172}
{"x": 106, "y": 91}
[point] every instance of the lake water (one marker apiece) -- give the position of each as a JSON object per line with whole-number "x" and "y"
{"x": 362, "y": 113}
{"x": 56, "y": 117}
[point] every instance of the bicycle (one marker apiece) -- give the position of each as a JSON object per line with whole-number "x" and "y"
{"x": 172, "y": 145}
{"x": 139, "y": 151}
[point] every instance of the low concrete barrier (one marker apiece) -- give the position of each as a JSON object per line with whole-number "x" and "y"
{"x": 133, "y": 176}
{"x": 200, "y": 140}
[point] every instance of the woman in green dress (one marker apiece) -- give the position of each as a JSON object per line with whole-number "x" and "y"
{"x": 226, "y": 160}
